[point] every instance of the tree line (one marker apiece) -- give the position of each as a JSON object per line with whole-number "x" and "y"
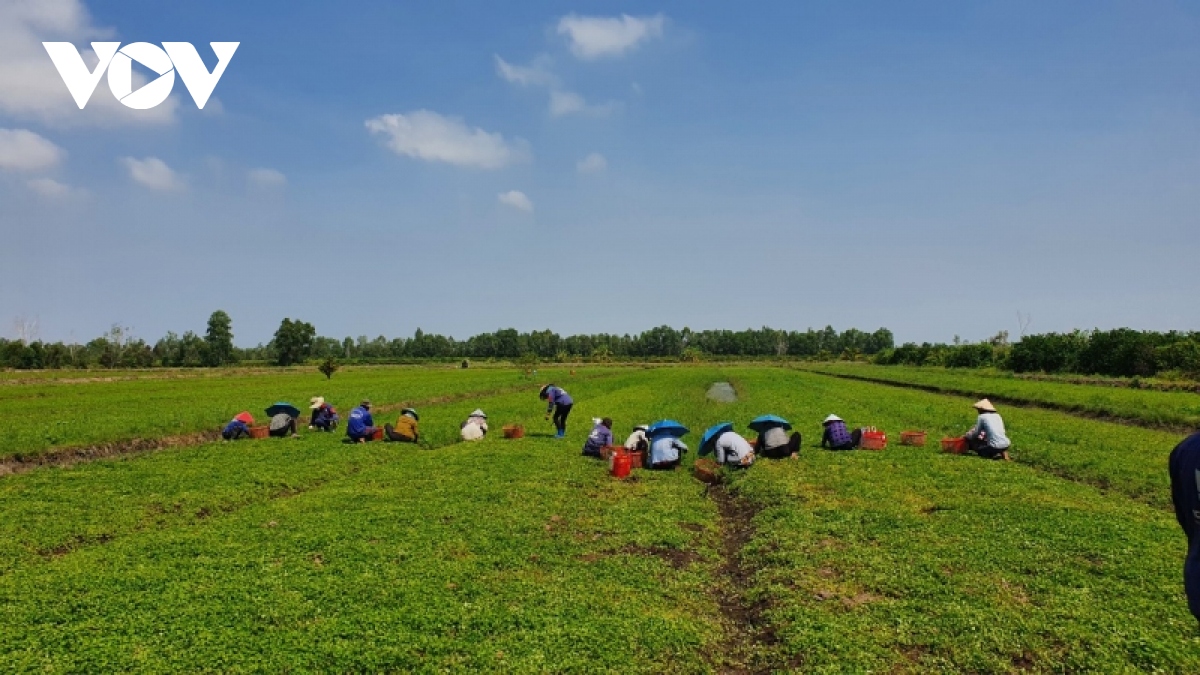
{"x": 1121, "y": 352}
{"x": 297, "y": 341}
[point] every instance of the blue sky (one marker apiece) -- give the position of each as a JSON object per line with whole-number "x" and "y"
{"x": 375, "y": 167}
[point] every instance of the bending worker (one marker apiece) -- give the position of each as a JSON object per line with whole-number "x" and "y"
{"x": 559, "y": 402}
{"x": 733, "y": 450}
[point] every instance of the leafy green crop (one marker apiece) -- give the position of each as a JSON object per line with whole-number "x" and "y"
{"x": 1155, "y": 408}
{"x": 514, "y": 556}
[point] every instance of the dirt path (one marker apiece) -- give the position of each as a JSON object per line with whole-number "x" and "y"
{"x": 749, "y": 645}
{"x": 1011, "y": 401}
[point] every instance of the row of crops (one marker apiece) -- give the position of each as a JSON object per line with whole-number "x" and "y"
{"x": 310, "y": 554}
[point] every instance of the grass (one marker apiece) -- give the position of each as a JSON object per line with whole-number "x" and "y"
{"x": 55, "y": 414}
{"x": 518, "y": 556}
{"x": 1175, "y": 409}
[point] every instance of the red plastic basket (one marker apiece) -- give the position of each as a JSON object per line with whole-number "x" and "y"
{"x": 956, "y": 446}
{"x": 873, "y": 440}
{"x": 514, "y": 431}
{"x": 260, "y": 432}
{"x": 914, "y": 438}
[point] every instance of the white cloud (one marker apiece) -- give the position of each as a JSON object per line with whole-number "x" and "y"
{"x": 153, "y": 173}
{"x": 594, "y": 37}
{"x": 266, "y": 178}
{"x": 23, "y": 150}
{"x": 517, "y": 200}
{"x": 30, "y": 86}
{"x": 536, "y": 74}
{"x": 52, "y": 189}
{"x": 593, "y": 163}
{"x": 568, "y": 102}
{"x": 427, "y": 135}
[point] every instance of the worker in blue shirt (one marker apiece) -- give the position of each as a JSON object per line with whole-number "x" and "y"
{"x": 361, "y": 428}
{"x": 238, "y": 427}
{"x": 1184, "y": 467}
{"x": 558, "y": 402}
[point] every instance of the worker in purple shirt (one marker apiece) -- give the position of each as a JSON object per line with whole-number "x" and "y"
{"x": 600, "y": 438}
{"x": 558, "y": 402}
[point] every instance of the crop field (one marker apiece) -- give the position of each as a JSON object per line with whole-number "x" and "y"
{"x": 81, "y": 411}
{"x": 310, "y": 554}
{"x": 1179, "y": 409}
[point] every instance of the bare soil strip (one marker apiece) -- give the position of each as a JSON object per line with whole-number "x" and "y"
{"x": 749, "y": 644}
{"x": 69, "y": 456}
{"x": 1099, "y": 415}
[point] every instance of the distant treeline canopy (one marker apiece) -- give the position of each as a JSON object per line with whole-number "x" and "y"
{"x": 1122, "y": 352}
{"x": 296, "y": 341}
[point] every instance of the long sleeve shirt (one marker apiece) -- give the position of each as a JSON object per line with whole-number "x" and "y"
{"x": 600, "y": 437}
{"x": 992, "y": 427}
{"x": 557, "y": 396}
{"x": 406, "y": 426}
{"x": 235, "y": 427}
{"x": 775, "y": 437}
{"x": 360, "y": 421}
{"x": 635, "y": 439}
{"x": 731, "y": 448}
{"x": 836, "y": 435}
{"x": 666, "y": 449}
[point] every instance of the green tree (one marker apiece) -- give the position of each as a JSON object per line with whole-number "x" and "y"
{"x": 293, "y": 341}
{"x": 219, "y": 339}
{"x": 328, "y": 367}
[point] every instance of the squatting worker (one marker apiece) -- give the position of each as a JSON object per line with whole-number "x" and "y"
{"x": 665, "y": 451}
{"x": 637, "y": 441}
{"x": 1184, "y": 467}
{"x": 282, "y": 426}
{"x": 324, "y": 417}
{"x": 988, "y": 437}
{"x": 601, "y": 437}
{"x": 475, "y": 427}
{"x": 775, "y": 443}
{"x": 361, "y": 427}
{"x": 559, "y": 402}
{"x": 837, "y": 436}
{"x": 733, "y": 450}
{"x": 405, "y": 430}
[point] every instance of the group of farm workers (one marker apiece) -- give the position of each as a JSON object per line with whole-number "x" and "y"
{"x": 664, "y": 447}
{"x": 360, "y": 425}
{"x": 662, "y": 442}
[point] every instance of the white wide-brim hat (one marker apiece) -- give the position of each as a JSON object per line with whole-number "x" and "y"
{"x": 832, "y": 418}
{"x": 317, "y": 402}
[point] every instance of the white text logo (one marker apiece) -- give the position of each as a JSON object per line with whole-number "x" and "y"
{"x": 178, "y": 57}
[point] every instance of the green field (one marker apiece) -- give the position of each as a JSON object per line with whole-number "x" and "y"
{"x": 521, "y": 556}
{"x": 85, "y": 410}
{"x": 1174, "y": 409}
